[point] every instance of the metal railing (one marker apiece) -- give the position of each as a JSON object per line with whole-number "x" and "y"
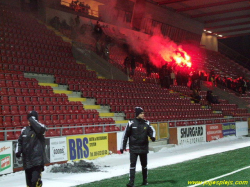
{"x": 173, "y": 123}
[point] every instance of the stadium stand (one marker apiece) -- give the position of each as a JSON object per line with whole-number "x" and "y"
{"x": 28, "y": 46}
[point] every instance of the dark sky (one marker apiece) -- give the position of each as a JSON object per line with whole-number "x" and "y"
{"x": 240, "y": 44}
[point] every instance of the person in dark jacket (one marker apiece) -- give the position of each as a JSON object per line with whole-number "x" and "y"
{"x": 31, "y": 146}
{"x": 138, "y": 130}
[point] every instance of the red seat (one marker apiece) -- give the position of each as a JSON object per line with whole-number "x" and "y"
{"x": 10, "y": 136}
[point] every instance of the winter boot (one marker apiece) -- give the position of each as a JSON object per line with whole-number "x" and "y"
{"x": 130, "y": 184}
{"x": 145, "y": 183}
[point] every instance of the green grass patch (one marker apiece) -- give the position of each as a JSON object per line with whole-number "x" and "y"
{"x": 178, "y": 175}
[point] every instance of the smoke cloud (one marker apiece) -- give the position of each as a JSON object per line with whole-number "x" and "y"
{"x": 160, "y": 49}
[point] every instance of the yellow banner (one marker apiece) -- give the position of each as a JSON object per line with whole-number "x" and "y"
{"x": 163, "y": 130}
{"x": 87, "y": 146}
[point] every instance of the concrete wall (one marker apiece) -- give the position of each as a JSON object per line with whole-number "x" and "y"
{"x": 209, "y": 42}
{"x": 169, "y": 17}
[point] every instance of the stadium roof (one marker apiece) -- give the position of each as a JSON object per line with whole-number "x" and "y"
{"x": 225, "y": 18}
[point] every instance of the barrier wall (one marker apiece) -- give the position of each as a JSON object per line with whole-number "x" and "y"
{"x": 87, "y": 146}
{"x": 214, "y": 132}
{"x": 241, "y": 128}
{"x": 92, "y": 146}
{"x": 191, "y": 134}
{"x": 6, "y": 158}
{"x": 206, "y": 133}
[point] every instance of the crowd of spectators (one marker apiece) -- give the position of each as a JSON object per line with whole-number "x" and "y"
{"x": 80, "y": 7}
{"x": 239, "y": 85}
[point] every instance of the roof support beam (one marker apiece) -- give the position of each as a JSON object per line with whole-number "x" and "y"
{"x": 233, "y": 30}
{"x": 170, "y": 2}
{"x": 220, "y": 12}
{"x": 228, "y": 25}
{"x": 236, "y": 35}
{"x": 227, "y": 19}
{"x": 208, "y": 5}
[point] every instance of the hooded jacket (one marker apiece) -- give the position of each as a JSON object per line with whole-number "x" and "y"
{"x": 31, "y": 143}
{"x": 138, "y": 131}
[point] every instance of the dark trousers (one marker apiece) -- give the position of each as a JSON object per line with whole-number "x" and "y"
{"x": 34, "y": 176}
{"x": 144, "y": 162}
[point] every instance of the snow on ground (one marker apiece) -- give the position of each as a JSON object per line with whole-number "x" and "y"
{"x": 116, "y": 165}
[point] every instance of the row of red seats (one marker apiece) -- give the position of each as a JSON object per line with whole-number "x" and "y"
{"x": 10, "y": 37}
{"x": 34, "y": 56}
{"x": 55, "y": 119}
{"x": 12, "y": 31}
{"x": 182, "y": 117}
{"x": 15, "y": 63}
{"x": 45, "y": 70}
{"x": 24, "y": 46}
{"x": 115, "y": 83}
{"x": 16, "y": 50}
{"x": 178, "y": 114}
{"x": 10, "y": 28}
{"x": 55, "y": 108}
{"x": 224, "y": 106}
{"x": 110, "y": 101}
{"x": 200, "y": 122}
{"x": 151, "y": 108}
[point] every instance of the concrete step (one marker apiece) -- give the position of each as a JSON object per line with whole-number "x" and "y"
{"x": 89, "y": 101}
{"x": 75, "y": 94}
{"x": 77, "y": 99}
{"x": 103, "y": 110}
{"x": 158, "y": 145}
{"x": 115, "y": 119}
{"x": 107, "y": 115}
{"x": 41, "y": 77}
{"x": 92, "y": 107}
{"x": 121, "y": 121}
{"x": 60, "y": 87}
{"x": 67, "y": 92}
{"x": 53, "y": 85}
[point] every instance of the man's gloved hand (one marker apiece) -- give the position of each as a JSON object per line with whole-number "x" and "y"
{"x": 121, "y": 150}
{"x": 153, "y": 139}
{"x": 18, "y": 154}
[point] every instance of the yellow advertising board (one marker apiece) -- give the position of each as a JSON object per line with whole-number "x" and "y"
{"x": 163, "y": 130}
{"x": 89, "y": 147}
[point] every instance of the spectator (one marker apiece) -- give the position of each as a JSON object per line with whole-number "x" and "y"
{"x": 133, "y": 65}
{"x": 98, "y": 28}
{"x": 138, "y": 130}
{"x": 211, "y": 99}
{"x": 195, "y": 96}
{"x": 77, "y": 21}
{"x": 31, "y": 146}
{"x": 127, "y": 65}
{"x": 172, "y": 76}
{"x": 148, "y": 68}
{"x": 55, "y": 22}
{"x": 87, "y": 9}
{"x": 64, "y": 25}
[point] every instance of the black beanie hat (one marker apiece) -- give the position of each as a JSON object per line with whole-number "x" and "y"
{"x": 138, "y": 110}
{"x": 33, "y": 113}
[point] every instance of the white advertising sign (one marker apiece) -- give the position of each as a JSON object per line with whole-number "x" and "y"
{"x": 191, "y": 134}
{"x": 58, "y": 149}
{"x": 241, "y": 128}
{"x": 6, "y": 158}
